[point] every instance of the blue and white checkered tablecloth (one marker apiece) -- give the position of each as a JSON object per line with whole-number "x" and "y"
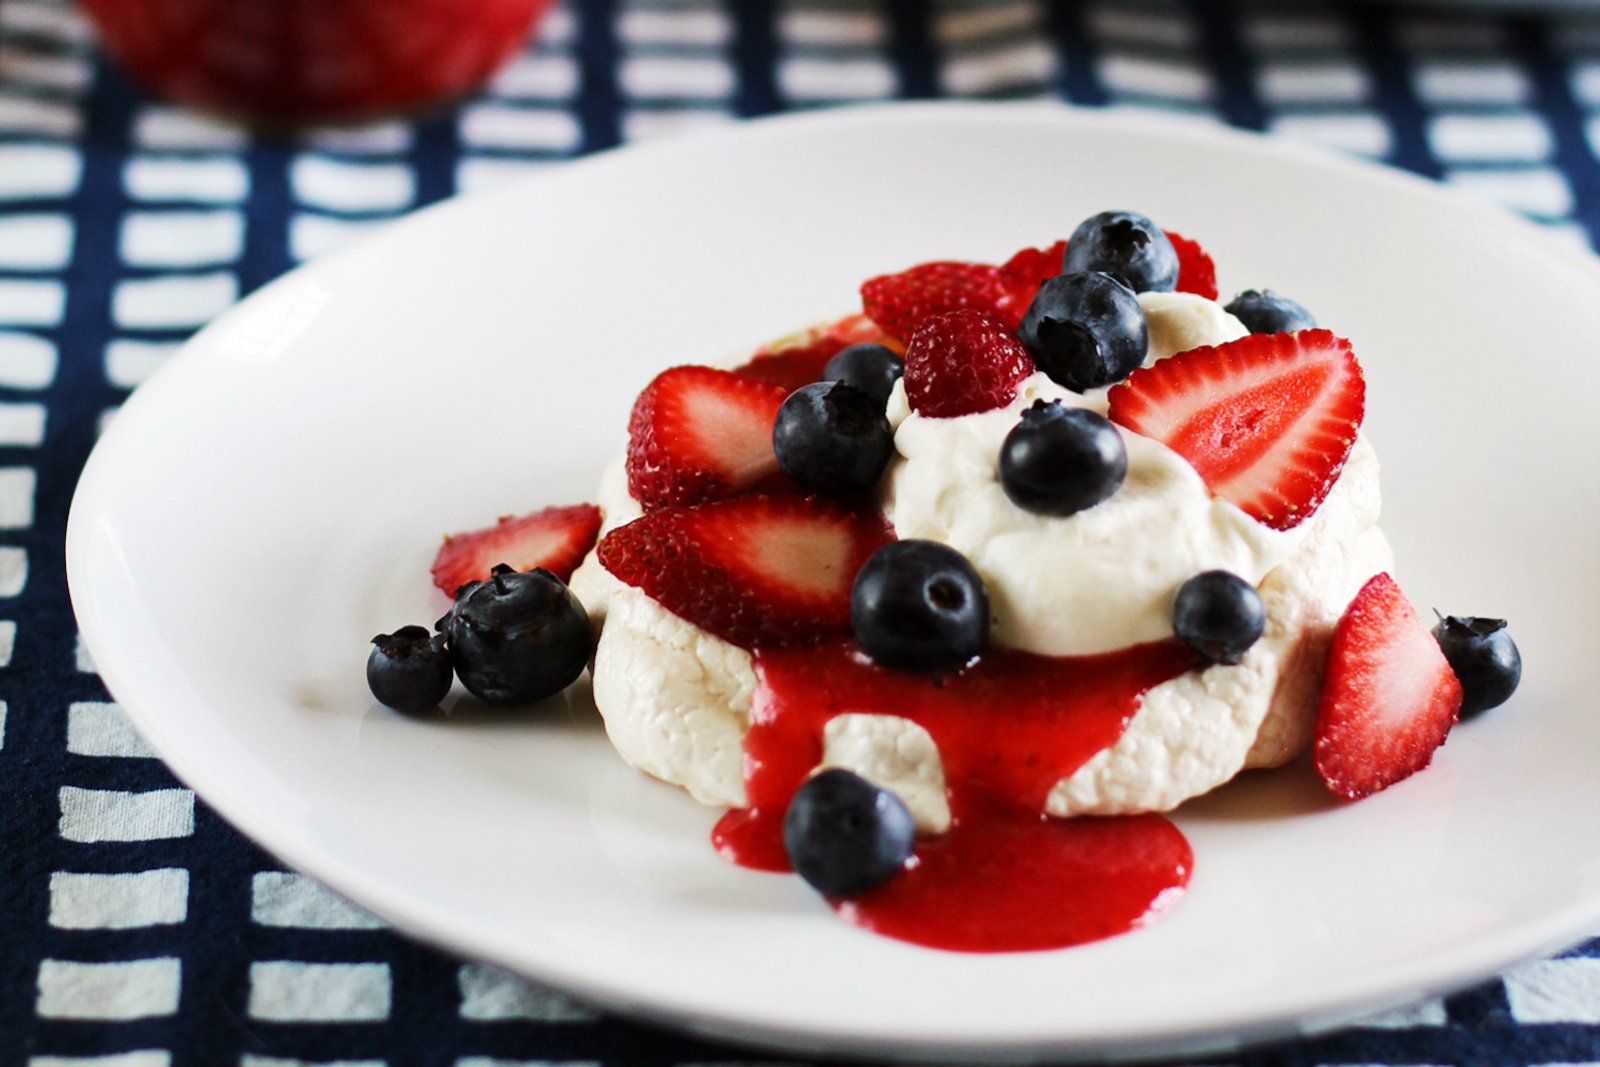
{"x": 138, "y": 930}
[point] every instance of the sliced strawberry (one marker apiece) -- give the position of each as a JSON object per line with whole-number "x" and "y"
{"x": 900, "y": 302}
{"x": 758, "y": 571}
{"x": 800, "y": 359}
{"x": 1268, "y": 420}
{"x": 700, "y": 434}
{"x": 963, "y": 362}
{"x": 556, "y": 539}
{"x": 1197, "y": 274}
{"x": 1389, "y": 696}
{"x": 1022, "y": 275}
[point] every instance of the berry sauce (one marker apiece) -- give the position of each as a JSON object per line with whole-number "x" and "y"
{"x": 1008, "y": 727}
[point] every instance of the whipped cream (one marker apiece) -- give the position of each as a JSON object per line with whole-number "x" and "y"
{"x": 1074, "y": 585}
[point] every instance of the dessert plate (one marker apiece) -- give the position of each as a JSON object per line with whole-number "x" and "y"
{"x": 272, "y": 499}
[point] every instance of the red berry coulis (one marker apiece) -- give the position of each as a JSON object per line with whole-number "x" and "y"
{"x": 1008, "y": 727}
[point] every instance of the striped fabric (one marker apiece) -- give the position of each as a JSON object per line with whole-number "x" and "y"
{"x": 140, "y": 931}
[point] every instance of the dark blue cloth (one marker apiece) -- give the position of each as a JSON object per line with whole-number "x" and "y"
{"x": 1502, "y": 106}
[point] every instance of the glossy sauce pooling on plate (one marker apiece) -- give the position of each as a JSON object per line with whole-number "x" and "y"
{"x": 1008, "y": 728}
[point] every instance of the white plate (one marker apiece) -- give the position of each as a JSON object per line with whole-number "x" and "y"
{"x": 272, "y": 499}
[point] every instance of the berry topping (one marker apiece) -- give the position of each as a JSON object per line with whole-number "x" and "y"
{"x": 700, "y": 434}
{"x": 409, "y": 670}
{"x": 873, "y": 369}
{"x": 1060, "y": 460}
{"x": 1085, "y": 330}
{"x": 1127, "y": 246}
{"x": 517, "y": 638}
{"x": 832, "y": 439}
{"x": 844, "y": 835}
{"x": 1267, "y": 421}
{"x": 1219, "y": 615}
{"x": 799, "y": 359}
{"x": 961, "y": 363}
{"x": 1485, "y": 660}
{"x": 1388, "y": 696}
{"x": 757, "y": 571}
{"x": 1267, "y": 312}
{"x": 900, "y": 302}
{"x": 919, "y": 606}
{"x": 1197, "y": 274}
{"x": 556, "y": 539}
{"x": 1024, "y": 272}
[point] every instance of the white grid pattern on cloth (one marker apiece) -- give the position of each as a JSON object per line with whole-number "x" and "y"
{"x": 281, "y": 898}
{"x": 45, "y": 71}
{"x": 148, "y": 1057}
{"x": 95, "y": 815}
{"x": 292, "y": 991}
{"x": 524, "y": 120}
{"x": 181, "y": 238}
{"x": 675, "y": 73}
{"x": 250, "y": 1059}
{"x": 490, "y": 994}
{"x": 180, "y": 247}
{"x": 100, "y": 728}
{"x": 27, "y": 361}
{"x": 1480, "y": 123}
{"x": 1555, "y": 991}
{"x": 833, "y": 51}
{"x": 129, "y": 361}
{"x": 35, "y": 241}
{"x": 129, "y": 989}
{"x": 1311, "y": 81}
{"x": 1147, "y": 54}
{"x": 994, "y": 49}
{"x": 93, "y": 901}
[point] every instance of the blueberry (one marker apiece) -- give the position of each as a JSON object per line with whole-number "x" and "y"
{"x": 409, "y": 670}
{"x": 871, "y": 368}
{"x": 1085, "y": 330}
{"x": 1485, "y": 659}
{"x": 844, "y": 835}
{"x": 1060, "y": 460}
{"x": 919, "y": 606}
{"x": 832, "y": 438}
{"x": 517, "y": 638}
{"x": 1219, "y": 615}
{"x": 1267, "y": 312}
{"x": 1127, "y": 246}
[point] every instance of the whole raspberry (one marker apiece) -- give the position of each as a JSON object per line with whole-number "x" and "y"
{"x": 963, "y": 362}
